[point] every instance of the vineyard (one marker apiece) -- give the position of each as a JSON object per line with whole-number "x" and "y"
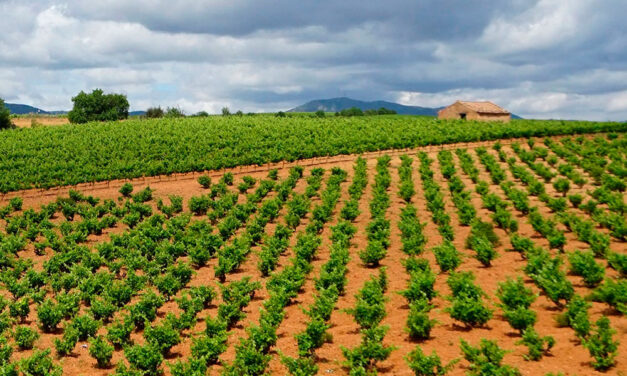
{"x": 503, "y": 259}
{"x": 51, "y": 156}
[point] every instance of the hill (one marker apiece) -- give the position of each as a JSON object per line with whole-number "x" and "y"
{"x": 342, "y": 103}
{"x": 22, "y": 109}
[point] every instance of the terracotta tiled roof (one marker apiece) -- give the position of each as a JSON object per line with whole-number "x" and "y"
{"x": 484, "y": 107}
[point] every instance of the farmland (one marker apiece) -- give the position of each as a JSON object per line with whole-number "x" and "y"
{"x": 505, "y": 255}
{"x": 72, "y": 154}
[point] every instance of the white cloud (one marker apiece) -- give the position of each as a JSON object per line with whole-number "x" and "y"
{"x": 545, "y": 58}
{"x": 547, "y": 24}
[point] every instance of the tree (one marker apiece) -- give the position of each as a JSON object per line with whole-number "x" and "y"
{"x": 98, "y": 106}
{"x": 154, "y": 112}
{"x": 174, "y": 112}
{"x": 226, "y": 111}
{"x": 5, "y": 119}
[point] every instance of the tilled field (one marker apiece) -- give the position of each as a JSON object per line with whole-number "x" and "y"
{"x": 319, "y": 269}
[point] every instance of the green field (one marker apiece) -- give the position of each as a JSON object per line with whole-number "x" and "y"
{"x": 72, "y": 154}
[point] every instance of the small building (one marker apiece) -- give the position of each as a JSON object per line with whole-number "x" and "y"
{"x": 480, "y": 111}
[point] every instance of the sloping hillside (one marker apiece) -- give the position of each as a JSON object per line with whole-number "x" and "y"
{"x": 342, "y": 103}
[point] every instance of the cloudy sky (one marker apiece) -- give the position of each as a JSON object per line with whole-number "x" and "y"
{"x": 541, "y": 59}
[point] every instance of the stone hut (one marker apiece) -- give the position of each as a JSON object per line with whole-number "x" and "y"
{"x": 480, "y": 111}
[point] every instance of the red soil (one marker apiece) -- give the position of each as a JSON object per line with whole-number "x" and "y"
{"x": 568, "y": 355}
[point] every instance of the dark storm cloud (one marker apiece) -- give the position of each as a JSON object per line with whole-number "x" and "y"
{"x": 539, "y": 58}
{"x": 426, "y": 19}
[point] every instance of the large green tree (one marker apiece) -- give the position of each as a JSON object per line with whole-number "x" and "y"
{"x": 5, "y": 116}
{"x": 98, "y": 106}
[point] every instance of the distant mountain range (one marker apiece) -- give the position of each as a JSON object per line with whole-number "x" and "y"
{"x": 24, "y": 109}
{"x": 342, "y": 103}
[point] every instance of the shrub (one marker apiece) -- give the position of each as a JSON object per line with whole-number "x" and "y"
{"x": 418, "y": 323}
{"x": 350, "y": 211}
{"x": 575, "y": 199}
{"x": 486, "y": 359}
{"x": 144, "y": 195}
{"x": 193, "y": 367}
{"x": 205, "y": 181}
{"x": 209, "y": 348}
{"x": 86, "y": 326}
{"x": 16, "y": 203}
{"x": 175, "y": 207}
{"x": 199, "y": 204}
{"x": 375, "y": 251}
{"x": 469, "y": 310}
{"x": 39, "y": 364}
{"x": 576, "y": 316}
{"x": 227, "y": 178}
{"x": 447, "y": 256}
{"x": 101, "y": 350}
{"x": 562, "y": 185}
{"x": 601, "y": 345}
{"x": 618, "y": 262}
{"x": 119, "y": 332}
{"x": 20, "y": 308}
{"x": 145, "y": 358}
{"x": 98, "y": 106}
{"x": 583, "y": 264}
{"x": 6, "y": 350}
{"x": 462, "y": 283}
{"x": 420, "y": 286}
{"x": 162, "y": 337}
{"x": 65, "y": 345}
{"x": 370, "y": 305}
{"x": 300, "y": 366}
{"x": 314, "y": 336}
{"x": 485, "y": 251}
{"x": 514, "y": 294}
{"x": 102, "y": 309}
{"x": 613, "y": 293}
{"x": 249, "y": 360}
{"x": 427, "y": 365}
{"x": 482, "y": 229}
{"x": 126, "y": 189}
{"x": 5, "y": 116}
{"x": 537, "y": 346}
{"x": 362, "y": 359}
{"x": 199, "y": 255}
{"x": 49, "y": 315}
{"x": 520, "y": 318}
{"x": 25, "y": 337}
